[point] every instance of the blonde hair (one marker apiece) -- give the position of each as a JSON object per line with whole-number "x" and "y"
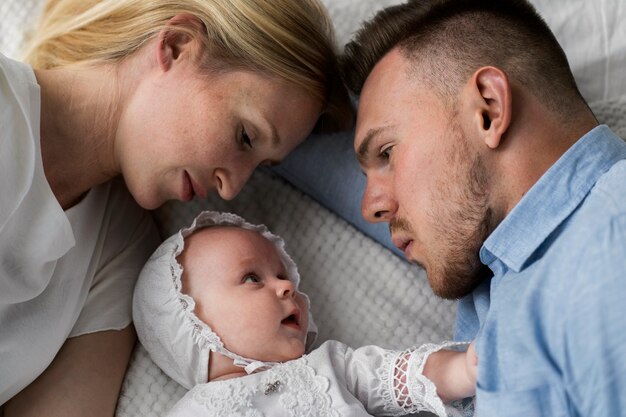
{"x": 292, "y": 40}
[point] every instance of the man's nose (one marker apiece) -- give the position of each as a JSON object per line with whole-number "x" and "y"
{"x": 378, "y": 203}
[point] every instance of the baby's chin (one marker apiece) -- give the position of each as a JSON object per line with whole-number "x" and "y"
{"x": 284, "y": 354}
{"x": 222, "y": 367}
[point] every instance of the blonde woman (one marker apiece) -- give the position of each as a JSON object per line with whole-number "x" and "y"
{"x": 127, "y": 104}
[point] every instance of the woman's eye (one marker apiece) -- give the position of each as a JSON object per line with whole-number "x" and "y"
{"x": 245, "y": 139}
{"x": 251, "y": 278}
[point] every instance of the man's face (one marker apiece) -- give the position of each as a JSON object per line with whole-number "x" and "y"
{"x": 424, "y": 176}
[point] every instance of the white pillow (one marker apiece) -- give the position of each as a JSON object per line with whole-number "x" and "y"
{"x": 592, "y": 33}
{"x": 16, "y": 17}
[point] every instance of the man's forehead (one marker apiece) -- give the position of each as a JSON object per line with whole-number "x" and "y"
{"x": 391, "y": 71}
{"x": 381, "y": 97}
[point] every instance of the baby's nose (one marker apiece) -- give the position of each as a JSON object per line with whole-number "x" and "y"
{"x": 285, "y": 288}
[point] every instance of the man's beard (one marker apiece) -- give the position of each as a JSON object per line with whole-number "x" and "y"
{"x": 461, "y": 219}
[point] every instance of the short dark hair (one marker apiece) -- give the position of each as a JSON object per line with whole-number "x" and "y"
{"x": 453, "y": 38}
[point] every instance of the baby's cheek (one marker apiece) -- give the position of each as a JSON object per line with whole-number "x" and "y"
{"x": 304, "y": 310}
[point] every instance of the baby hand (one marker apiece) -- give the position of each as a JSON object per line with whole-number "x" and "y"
{"x": 471, "y": 363}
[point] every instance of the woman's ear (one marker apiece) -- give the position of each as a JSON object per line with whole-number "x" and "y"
{"x": 180, "y": 37}
{"x": 491, "y": 100}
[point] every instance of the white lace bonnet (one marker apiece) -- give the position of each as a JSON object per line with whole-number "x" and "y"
{"x": 176, "y": 339}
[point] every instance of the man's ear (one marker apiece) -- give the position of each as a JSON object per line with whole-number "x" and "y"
{"x": 179, "y": 37}
{"x": 491, "y": 100}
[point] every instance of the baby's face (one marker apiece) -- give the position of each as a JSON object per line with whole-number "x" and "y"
{"x": 241, "y": 290}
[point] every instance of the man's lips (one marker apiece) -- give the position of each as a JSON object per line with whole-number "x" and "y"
{"x": 403, "y": 243}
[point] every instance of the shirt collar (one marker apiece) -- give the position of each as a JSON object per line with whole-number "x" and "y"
{"x": 553, "y": 198}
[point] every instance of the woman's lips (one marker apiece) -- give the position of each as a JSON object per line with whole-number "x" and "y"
{"x": 197, "y": 188}
{"x": 187, "y": 191}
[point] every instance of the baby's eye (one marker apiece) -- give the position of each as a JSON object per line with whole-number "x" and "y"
{"x": 251, "y": 278}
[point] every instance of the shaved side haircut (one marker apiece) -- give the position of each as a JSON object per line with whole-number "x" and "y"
{"x": 446, "y": 41}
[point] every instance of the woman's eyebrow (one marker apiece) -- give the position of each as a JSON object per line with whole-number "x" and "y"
{"x": 265, "y": 127}
{"x": 274, "y": 138}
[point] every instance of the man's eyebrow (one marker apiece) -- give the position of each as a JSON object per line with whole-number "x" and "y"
{"x": 363, "y": 150}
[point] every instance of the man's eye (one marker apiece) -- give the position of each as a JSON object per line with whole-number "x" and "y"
{"x": 251, "y": 278}
{"x": 385, "y": 153}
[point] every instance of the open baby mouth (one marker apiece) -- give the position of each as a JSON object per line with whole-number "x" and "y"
{"x": 291, "y": 320}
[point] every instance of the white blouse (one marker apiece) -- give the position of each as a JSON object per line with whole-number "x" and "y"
{"x": 332, "y": 381}
{"x": 62, "y": 273}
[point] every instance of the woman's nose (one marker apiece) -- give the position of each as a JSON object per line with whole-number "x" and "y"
{"x": 230, "y": 183}
{"x": 378, "y": 203}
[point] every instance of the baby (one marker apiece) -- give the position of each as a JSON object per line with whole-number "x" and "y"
{"x": 217, "y": 307}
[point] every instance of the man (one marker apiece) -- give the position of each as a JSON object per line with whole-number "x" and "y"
{"x": 495, "y": 176}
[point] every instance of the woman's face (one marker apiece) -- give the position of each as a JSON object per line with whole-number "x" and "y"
{"x": 183, "y": 134}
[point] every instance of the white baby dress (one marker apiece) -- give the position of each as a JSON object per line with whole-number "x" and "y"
{"x": 332, "y": 381}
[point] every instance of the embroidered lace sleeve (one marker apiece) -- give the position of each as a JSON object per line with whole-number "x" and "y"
{"x": 404, "y": 388}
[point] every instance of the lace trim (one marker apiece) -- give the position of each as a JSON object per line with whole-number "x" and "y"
{"x": 386, "y": 374}
{"x": 188, "y": 304}
{"x": 405, "y": 389}
{"x": 299, "y": 390}
{"x": 226, "y": 400}
{"x": 305, "y": 393}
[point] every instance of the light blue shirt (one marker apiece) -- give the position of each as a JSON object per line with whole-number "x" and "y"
{"x": 550, "y": 326}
